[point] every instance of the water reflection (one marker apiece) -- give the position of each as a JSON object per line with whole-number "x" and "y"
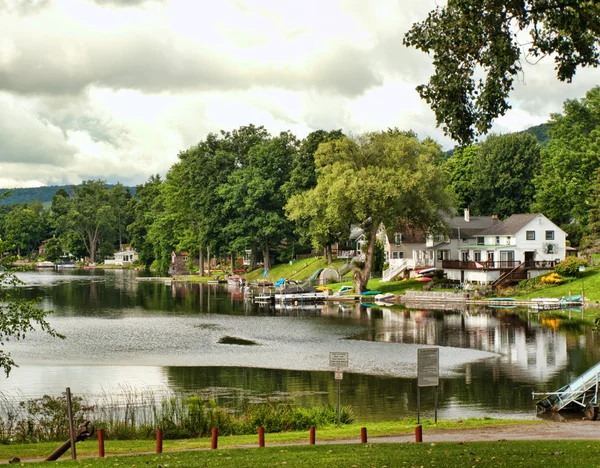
{"x": 174, "y": 332}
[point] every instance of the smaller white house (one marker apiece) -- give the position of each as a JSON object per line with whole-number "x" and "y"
{"x": 123, "y": 257}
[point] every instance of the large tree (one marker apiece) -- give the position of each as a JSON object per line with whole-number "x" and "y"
{"x": 569, "y": 164}
{"x": 477, "y": 52}
{"x": 503, "y": 174}
{"x": 25, "y": 227}
{"x": 376, "y": 178}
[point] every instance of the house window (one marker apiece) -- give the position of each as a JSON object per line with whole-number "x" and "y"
{"x": 400, "y": 254}
{"x": 497, "y": 240}
{"x": 397, "y": 238}
{"x": 480, "y": 240}
{"x": 464, "y": 255}
{"x": 443, "y": 255}
{"x": 477, "y": 255}
{"x": 185, "y": 258}
{"x": 394, "y": 254}
{"x": 530, "y": 235}
{"x": 549, "y": 235}
{"x": 490, "y": 256}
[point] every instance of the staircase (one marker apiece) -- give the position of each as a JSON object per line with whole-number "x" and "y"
{"x": 395, "y": 269}
{"x": 518, "y": 273}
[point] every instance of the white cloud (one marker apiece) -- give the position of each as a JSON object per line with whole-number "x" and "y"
{"x": 114, "y": 89}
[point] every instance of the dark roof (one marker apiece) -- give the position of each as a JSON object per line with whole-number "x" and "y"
{"x": 468, "y": 229}
{"x": 510, "y": 226}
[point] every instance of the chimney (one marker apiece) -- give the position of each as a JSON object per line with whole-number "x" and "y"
{"x": 494, "y": 219}
{"x": 467, "y": 215}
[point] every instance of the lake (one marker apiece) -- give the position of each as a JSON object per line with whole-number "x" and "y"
{"x": 125, "y": 337}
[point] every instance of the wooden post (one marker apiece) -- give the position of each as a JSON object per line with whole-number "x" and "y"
{"x": 159, "y": 441}
{"x": 101, "y": 443}
{"x": 312, "y": 435}
{"x": 261, "y": 437}
{"x": 419, "y": 433}
{"x": 71, "y": 428}
{"x": 215, "y": 439}
{"x": 363, "y": 435}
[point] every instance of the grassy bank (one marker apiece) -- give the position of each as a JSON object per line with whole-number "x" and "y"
{"x": 298, "y": 270}
{"x": 547, "y": 454}
{"x": 329, "y": 433}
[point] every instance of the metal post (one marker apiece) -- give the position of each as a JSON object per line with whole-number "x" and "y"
{"x": 436, "y": 402}
{"x": 101, "y": 443}
{"x": 215, "y": 438}
{"x": 71, "y": 428}
{"x": 363, "y": 435}
{"x": 261, "y": 437}
{"x": 312, "y": 435}
{"x": 419, "y": 433}
{"x": 418, "y": 404}
{"x": 338, "y": 408}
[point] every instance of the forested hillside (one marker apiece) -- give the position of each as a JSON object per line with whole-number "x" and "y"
{"x": 37, "y": 194}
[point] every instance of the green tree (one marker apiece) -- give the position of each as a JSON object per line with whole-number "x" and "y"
{"x": 460, "y": 167}
{"x": 569, "y": 164}
{"x": 503, "y": 174}
{"x": 18, "y": 316}
{"x": 24, "y": 227}
{"x": 91, "y": 217}
{"x": 377, "y": 178}
{"x": 477, "y": 53}
{"x": 143, "y": 207}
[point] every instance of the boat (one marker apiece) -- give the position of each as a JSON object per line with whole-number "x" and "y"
{"x": 236, "y": 280}
{"x": 424, "y": 279}
{"x": 344, "y": 290}
{"x": 426, "y": 271}
{"x": 65, "y": 266}
{"x": 300, "y": 294}
{"x": 370, "y": 293}
{"x": 45, "y": 264}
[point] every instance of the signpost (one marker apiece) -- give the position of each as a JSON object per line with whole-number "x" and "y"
{"x": 428, "y": 375}
{"x": 338, "y": 360}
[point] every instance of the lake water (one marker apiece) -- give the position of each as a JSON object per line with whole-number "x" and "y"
{"x": 126, "y": 336}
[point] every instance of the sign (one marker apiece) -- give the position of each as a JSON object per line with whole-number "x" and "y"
{"x": 428, "y": 367}
{"x": 338, "y": 359}
{"x": 339, "y": 375}
{"x": 581, "y": 268}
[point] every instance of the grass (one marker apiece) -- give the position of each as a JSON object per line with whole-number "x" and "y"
{"x": 391, "y": 287}
{"x": 299, "y": 270}
{"x": 547, "y": 454}
{"x": 329, "y": 433}
{"x": 589, "y": 281}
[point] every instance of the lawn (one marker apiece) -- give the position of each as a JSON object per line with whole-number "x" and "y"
{"x": 547, "y": 454}
{"x": 588, "y": 281}
{"x": 298, "y": 270}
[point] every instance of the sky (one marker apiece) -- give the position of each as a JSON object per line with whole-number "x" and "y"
{"x": 115, "y": 89}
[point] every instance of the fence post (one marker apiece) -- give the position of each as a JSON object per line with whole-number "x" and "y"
{"x": 363, "y": 435}
{"x": 419, "y": 433}
{"x": 312, "y": 435}
{"x": 215, "y": 438}
{"x": 101, "y": 443}
{"x": 261, "y": 437}
{"x": 158, "y": 440}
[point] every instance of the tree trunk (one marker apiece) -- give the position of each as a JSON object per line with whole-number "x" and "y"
{"x": 208, "y": 255}
{"x": 329, "y": 254}
{"x": 266, "y": 256}
{"x": 361, "y": 275}
{"x": 201, "y": 262}
{"x": 253, "y": 258}
{"x": 232, "y": 262}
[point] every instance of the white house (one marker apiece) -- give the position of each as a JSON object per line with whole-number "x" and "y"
{"x": 520, "y": 247}
{"x": 123, "y": 257}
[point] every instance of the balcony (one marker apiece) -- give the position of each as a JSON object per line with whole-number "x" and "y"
{"x": 470, "y": 265}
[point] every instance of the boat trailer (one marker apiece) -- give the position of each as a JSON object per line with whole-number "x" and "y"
{"x": 580, "y": 394}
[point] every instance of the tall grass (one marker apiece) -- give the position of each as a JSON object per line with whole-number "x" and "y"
{"x": 136, "y": 414}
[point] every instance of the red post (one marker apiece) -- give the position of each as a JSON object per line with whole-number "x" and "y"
{"x": 158, "y": 440}
{"x": 261, "y": 437}
{"x": 363, "y": 435}
{"x": 312, "y": 435}
{"x": 215, "y": 439}
{"x": 419, "y": 433}
{"x": 101, "y": 443}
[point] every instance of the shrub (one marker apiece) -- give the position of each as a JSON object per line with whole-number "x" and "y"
{"x": 552, "y": 278}
{"x": 570, "y": 266}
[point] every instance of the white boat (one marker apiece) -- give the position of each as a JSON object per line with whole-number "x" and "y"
{"x": 236, "y": 280}
{"x": 45, "y": 264}
{"x": 65, "y": 266}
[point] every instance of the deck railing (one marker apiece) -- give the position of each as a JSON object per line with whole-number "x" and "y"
{"x": 488, "y": 265}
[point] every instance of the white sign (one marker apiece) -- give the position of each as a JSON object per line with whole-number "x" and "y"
{"x": 428, "y": 367}
{"x": 338, "y": 359}
{"x": 581, "y": 268}
{"x": 339, "y": 375}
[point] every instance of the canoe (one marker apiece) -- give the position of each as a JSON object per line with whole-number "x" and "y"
{"x": 370, "y": 293}
{"x": 503, "y": 299}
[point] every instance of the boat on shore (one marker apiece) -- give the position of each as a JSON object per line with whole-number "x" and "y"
{"x": 45, "y": 264}
{"x": 236, "y": 280}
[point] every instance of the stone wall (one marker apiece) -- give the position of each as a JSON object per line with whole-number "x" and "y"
{"x": 433, "y": 296}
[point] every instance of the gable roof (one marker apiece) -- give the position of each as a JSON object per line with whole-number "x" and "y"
{"x": 510, "y": 226}
{"x": 467, "y": 229}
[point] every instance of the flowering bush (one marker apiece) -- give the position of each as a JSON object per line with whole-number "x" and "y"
{"x": 552, "y": 278}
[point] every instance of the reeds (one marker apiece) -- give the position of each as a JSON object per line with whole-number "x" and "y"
{"x": 130, "y": 413}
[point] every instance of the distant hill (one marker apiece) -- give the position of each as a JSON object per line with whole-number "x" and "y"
{"x": 540, "y": 132}
{"x": 43, "y": 194}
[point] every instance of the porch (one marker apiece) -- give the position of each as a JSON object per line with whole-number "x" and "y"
{"x": 498, "y": 265}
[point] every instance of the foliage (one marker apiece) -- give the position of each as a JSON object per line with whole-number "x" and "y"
{"x": 552, "y": 278}
{"x": 569, "y": 162}
{"x": 460, "y": 167}
{"x": 477, "y": 54}
{"x": 18, "y": 316}
{"x": 378, "y": 257}
{"x": 503, "y": 173}
{"x": 570, "y": 266}
{"x": 375, "y": 178}
{"x": 25, "y": 227}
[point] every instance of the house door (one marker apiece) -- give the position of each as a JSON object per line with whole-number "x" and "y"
{"x": 529, "y": 258}
{"x": 507, "y": 259}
